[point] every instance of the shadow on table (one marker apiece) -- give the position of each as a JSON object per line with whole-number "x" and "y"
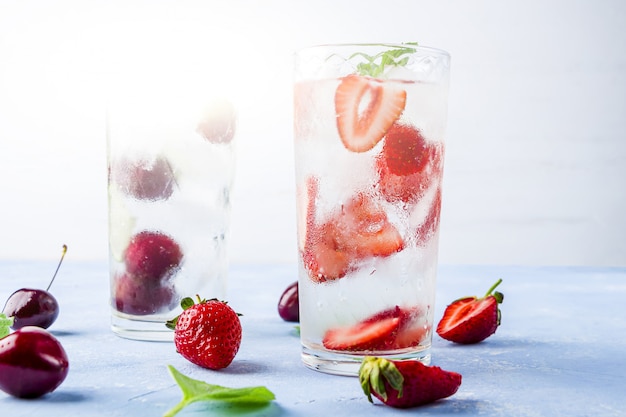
{"x": 64, "y": 333}
{"x": 245, "y": 367}
{"x": 453, "y": 406}
{"x": 217, "y": 409}
{"x": 66, "y": 397}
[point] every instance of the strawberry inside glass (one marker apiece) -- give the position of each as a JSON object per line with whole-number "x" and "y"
{"x": 369, "y": 148}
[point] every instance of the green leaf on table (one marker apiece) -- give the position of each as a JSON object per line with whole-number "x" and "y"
{"x": 5, "y": 324}
{"x": 195, "y": 390}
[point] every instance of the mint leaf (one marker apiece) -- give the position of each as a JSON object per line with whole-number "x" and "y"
{"x": 5, "y": 324}
{"x": 195, "y": 390}
{"x": 376, "y": 65}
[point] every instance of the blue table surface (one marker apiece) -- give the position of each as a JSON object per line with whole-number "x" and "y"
{"x": 560, "y": 351}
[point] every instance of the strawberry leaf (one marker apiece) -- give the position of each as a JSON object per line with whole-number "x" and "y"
{"x": 374, "y": 372}
{"x": 188, "y": 302}
{"x": 5, "y": 323}
{"x": 377, "y": 64}
{"x": 185, "y": 303}
{"x": 195, "y": 391}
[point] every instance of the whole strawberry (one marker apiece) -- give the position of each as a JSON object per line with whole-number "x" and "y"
{"x": 207, "y": 333}
{"x": 407, "y": 383}
{"x": 472, "y": 319}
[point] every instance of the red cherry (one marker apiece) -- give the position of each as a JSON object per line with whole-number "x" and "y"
{"x": 32, "y": 363}
{"x": 33, "y": 307}
{"x": 135, "y": 296}
{"x": 288, "y": 304}
{"x": 145, "y": 179}
{"x": 152, "y": 256}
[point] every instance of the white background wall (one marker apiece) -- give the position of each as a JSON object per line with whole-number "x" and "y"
{"x": 535, "y": 169}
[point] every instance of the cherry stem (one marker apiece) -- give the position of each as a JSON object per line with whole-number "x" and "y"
{"x": 58, "y": 266}
{"x": 493, "y": 287}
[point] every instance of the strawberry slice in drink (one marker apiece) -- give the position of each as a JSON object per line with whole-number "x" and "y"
{"x": 322, "y": 258}
{"x": 405, "y": 149}
{"x": 306, "y": 205}
{"x": 412, "y": 328}
{"x": 366, "y": 108}
{"x": 365, "y": 231}
{"x": 364, "y": 336}
{"x": 358, "y": 230}
{"x": 407, "y": 164}
{"x": 429, "y": 226}
{"x": 390, "y": 329}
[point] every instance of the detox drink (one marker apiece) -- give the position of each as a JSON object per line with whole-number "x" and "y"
{"x": 170, "y": 172}
{"x": 369, "y": 151}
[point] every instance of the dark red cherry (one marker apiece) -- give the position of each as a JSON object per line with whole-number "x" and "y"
{"x": 288, "y": 305}
{"x": 152, "y": 256}
{"x": 145, "y": 179}
{"x": 33, "y": 307}
{"x": 32, "y": 363}
{"x": 134, "y": 295}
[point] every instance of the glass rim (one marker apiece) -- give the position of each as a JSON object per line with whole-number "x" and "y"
{"x": 417, "y": 46}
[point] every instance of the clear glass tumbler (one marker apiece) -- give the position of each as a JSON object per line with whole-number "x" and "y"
{"x": 171, "y": 162}
{"x": 369, "y": 149}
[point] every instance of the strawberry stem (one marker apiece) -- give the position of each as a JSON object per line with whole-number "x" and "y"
{"x": 493, "y": 287}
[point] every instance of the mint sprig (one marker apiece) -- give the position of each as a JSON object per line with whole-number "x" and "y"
{"x": 5, "y": 324}
{"x": 195, "y": 390}
{"x": 377, "y": 64}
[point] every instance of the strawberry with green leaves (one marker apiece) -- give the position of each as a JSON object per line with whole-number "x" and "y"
{"x": 207, "y": 333}
{"x": 406, "y": 383}
{"x": 472, "y": 319}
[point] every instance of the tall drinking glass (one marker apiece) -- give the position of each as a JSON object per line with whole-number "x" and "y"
{"x": 170, "y": 172}
{"x": 369, "y": 151}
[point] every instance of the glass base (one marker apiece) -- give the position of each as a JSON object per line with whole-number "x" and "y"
{"x": 348, "y": 365}
{"x": 133, "y": 327}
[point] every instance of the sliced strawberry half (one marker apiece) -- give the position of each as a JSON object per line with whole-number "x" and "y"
{"x": 358, "y": 230}
{"x": 364, "y": 336}
{"x": 412, "y": 328}
{"x": 365, "y": 230}
{"x": 471, "y": 319}
{"x": 366, "y": 108}
{"x": 321, "y": 256}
